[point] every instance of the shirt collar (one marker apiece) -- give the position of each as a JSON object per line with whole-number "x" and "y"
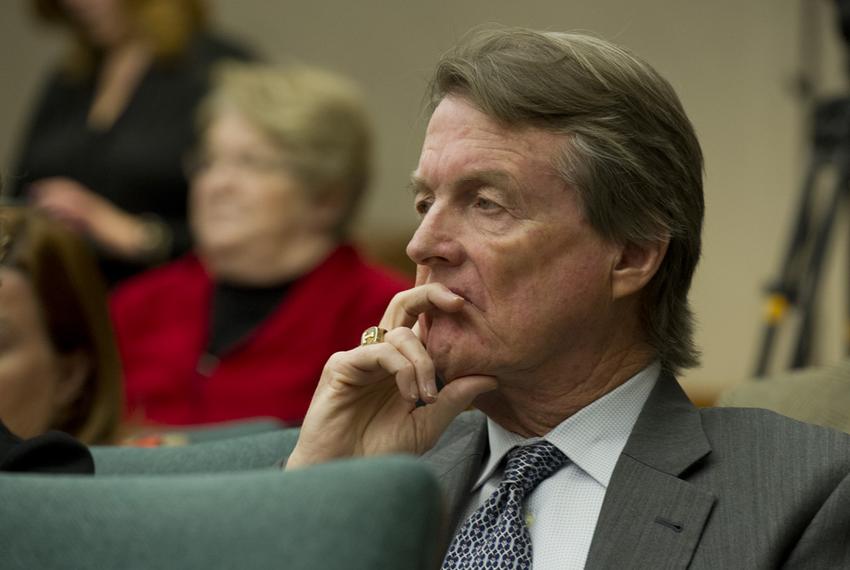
{"x": 593, "y": 437}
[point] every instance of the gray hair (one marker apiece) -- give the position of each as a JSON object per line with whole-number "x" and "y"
{"x": 316, "y": 117}
{"x": 631, "y": 153}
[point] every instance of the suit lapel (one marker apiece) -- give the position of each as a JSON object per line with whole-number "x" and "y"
{"x": 457, "y": 460}
{"x": 652, "y": 518}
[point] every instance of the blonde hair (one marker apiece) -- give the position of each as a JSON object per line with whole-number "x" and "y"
{"x": 72, "y": 295}
{"x": 317, "y": 118}
{"x": 168, "y": 24}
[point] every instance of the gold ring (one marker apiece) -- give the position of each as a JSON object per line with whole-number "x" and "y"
{"x": 372, "y": 335}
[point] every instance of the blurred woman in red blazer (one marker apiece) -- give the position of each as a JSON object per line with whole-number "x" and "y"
{"x": 242, "y": 327}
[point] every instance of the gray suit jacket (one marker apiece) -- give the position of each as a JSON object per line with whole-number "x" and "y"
{"x": 711, "y": 488}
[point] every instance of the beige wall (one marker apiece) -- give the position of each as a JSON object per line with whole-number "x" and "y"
{"x": 732, "y": 63}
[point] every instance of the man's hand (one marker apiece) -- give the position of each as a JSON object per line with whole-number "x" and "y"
{"x": 115, "y": 230}
{"x": 365, "y": 403}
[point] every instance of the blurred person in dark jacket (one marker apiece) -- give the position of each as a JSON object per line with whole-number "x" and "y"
{"x": 105, "y": 141}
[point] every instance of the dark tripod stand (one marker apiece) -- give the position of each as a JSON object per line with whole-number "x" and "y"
{"x": 797, "y": 286}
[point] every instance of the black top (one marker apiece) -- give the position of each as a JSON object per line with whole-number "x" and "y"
{"x": 53, "y": 452}
{"x": 137, "y": 162}
{"x": 235, "y": 312}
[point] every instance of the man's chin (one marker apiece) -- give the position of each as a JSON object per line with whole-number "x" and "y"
{"x": 450, "y": 369}
{"x": 451, "y": 354}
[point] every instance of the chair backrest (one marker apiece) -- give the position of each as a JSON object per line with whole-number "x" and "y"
{"x": 226, "y": 430}
{"x": 175, "y": 436}
{"x": 232, "y": 454}
{"x": 819, "y": 395}
{"x": 368, "y": 513}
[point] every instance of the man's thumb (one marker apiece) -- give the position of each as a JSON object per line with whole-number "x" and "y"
{"x": 457, "y": 396}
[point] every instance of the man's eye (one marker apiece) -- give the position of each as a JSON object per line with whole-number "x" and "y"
{"x": 422, "y": 207}
{"x": 485, "y": 204}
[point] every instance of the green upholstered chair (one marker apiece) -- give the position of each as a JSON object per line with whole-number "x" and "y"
{"x": 376, "y": 513}
{"x": 175, "y": 436}
{"x": 244, "y": 453}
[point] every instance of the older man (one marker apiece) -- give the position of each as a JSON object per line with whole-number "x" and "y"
{"x": 560, "y": 195}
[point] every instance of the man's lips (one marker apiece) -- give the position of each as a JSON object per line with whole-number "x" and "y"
{"x": 458, "y": 291}
{"x": 465, "y": 295}
{"x": 426, "y": 319}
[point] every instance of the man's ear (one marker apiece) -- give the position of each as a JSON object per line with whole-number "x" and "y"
{"x": 73, "y": 370}
{"x": 635, "y": 266}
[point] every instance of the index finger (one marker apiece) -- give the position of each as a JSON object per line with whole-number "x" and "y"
{"x": 406, "y": 306}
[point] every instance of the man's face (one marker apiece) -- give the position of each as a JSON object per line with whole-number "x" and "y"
{"x": 501, "y": 229}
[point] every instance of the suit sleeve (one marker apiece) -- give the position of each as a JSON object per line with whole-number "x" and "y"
{"x": 825, "y": 543}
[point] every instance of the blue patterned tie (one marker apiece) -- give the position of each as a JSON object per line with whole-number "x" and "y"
{"x": 495, "y": 536}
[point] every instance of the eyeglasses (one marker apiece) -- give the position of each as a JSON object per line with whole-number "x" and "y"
{"x": 199, "y": 163}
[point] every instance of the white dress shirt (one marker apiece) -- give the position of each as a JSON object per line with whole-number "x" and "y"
{"x": 562, "y": 512}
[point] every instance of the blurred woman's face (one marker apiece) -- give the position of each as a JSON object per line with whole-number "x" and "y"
{"x": 244, "y": 200}
{"x": 103, "y": 22}
{"x": 31, "y": 386}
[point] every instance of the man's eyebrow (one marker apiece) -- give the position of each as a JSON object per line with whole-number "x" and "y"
{"x": 496, "y": 178}
{"x": 417, "y": 185}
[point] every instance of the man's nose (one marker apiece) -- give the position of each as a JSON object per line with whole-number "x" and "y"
{"x": 436, "y": 239}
